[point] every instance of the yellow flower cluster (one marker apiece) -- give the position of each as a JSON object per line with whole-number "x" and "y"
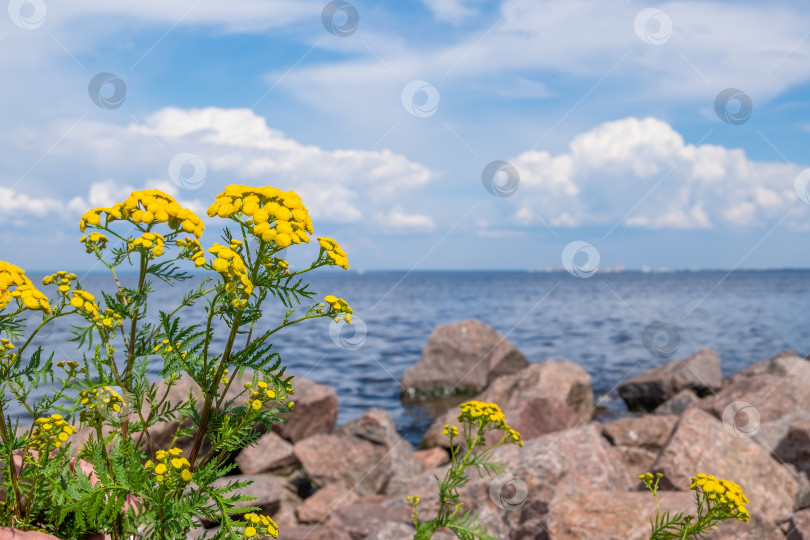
{"x": 259, "y": 395}
{"x": 256, "y": 524}
{"x": 151, "y": 243}
{"x": 28, "y": 297}
{"x": 273, "y": 215}
{"x": 166, "y": 347}
{"x": 190, "y": 248}
{"x": 487, "y": 414}
{"x": 84, "y": 301}
{"x": 726, "y": 495}
{"x": 72, "y": 368}
{"x": 61, "y": 279}
{"x": 50, "y": 432}
{"x": 337, "y": 306}
{"x": 450, "y": 431}
{"x": 147, "y": 207}
{"x": 171, "y": 467}
{"x": 92, "y": 240}
{"x": 334, "y": 254}
{"x": 99, "y": 401}
{"x": 232, "y": 268}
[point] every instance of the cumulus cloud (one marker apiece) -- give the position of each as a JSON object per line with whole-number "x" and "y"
{"x": 453, "y": 11}
{"x": 399, "y": 220}
{"x": 233, "y": 146}
{"x": 641, "y": 173}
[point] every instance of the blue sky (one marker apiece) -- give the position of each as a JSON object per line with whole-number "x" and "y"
{"x": 605, "y": 112}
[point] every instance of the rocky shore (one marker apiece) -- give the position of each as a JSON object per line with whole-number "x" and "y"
{"x": 575, "y": 478}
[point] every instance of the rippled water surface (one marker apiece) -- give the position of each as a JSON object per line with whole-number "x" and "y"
{"x": 597, "y": 323}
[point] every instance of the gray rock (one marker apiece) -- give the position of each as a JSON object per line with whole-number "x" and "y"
{"x": 268, "y": 453}
{"x": 610, "y": 515}
{"x": 788, "y": 439}
{"x": 356, "y": 463}
{"x": 798, "y": 527}
{"x": 700, "y": 443}
{"x": 700, "y": 373}
{"x": 462, "y": 357}
{"x": 677, "y": 403}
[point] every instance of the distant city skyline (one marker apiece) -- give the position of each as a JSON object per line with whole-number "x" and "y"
{"x": 422, "y": 135}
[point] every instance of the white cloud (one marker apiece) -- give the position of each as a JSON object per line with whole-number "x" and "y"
{"x": 641, "y": 173}
{"x": 454, "y": 11}
{"x": 15, "y": 206}
{"x": 237, "y": 146}
{"x": 399, "y": 220}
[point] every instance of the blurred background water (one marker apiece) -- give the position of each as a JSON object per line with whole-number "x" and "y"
{"x": 597, "y": 323}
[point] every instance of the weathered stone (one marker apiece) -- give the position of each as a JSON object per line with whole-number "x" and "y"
{"x": 462, "y": 356}
{"x": 638, "y": 439}
{"x": 7, "y": 533}
{"x": 359, "y": 520}
{"x": 677, "y": 403}
{"x": 317, "y": 507}
{"x": 536, "y": 414}
{"x": 798, "y": 527}
{"x": 648, "y": 431}
{"x": 756, "y": 528}
{"x": 432, "y": 458}
{"x": 773, "y": 387}
{"x": 357, "y": 463}
{"x": 700, "y": 443}
{"x": 269, "y": 489}
{"x": 788, "y": 439}
{"x": 268, "y": 453}
{"x": 392, "y": 530}
{"x": 609, "y": 515}
{"x": 533, "y": 400}
{"x": 377, "y": 427}
{"x": 636, "y": 460}
{"x": 316, "y": 410}
{"x": 560, "y": 378}
{"x": 299, "y": 532}
{"x": 700, "y": 373}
